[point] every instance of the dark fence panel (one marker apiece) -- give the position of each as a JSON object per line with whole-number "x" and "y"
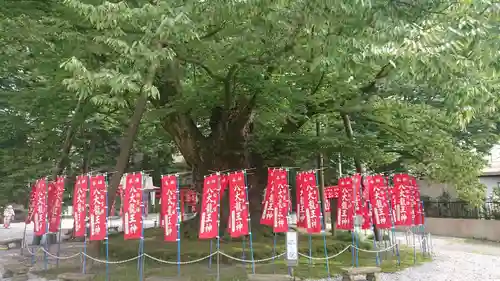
{"x": 460, "y": 210}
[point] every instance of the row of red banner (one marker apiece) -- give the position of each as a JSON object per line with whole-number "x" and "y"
{"x": 378, "y": 204}
{"x": 46, "y": 205}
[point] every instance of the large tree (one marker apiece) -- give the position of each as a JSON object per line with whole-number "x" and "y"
{"x": 236, "y": 83}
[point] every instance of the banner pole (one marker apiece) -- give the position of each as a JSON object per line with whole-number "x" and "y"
{"x": 356, "y": 192}
{"x": 60, "y": 227}
{"x": 24, "y": 243}
{"x": 377, "y": 258}
{"x": 391, "y": 215}
{"x": 413, "y": 227}
{"x": 46, "y": 259}
{"x": 179, "y": 214}
{"x": 107, "y": 227}
{"x": 210, "y": 259}
{"x": 243, "y": 244}
{"x": 141, "y": 248}
{"x": 85, "y": 227}
{"x": 249, "y": 224}
{"x": 422, "y": 227}
{"x": 353, "y": 232}
{"x": 218, "y": 224}
{"x": 323, "y": 227}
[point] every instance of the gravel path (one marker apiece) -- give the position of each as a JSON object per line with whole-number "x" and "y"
{"x": 455, "y": 259}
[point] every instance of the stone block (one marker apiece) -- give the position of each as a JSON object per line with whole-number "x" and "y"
{"x": 75, "y": 277}
{"x": 269, "y": 277}
{"x": 164, "y": 278}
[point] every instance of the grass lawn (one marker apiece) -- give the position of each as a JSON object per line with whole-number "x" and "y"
{"x": 235, "y": 270}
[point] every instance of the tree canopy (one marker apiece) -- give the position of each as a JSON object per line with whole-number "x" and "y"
{"x": 242, "y": 84}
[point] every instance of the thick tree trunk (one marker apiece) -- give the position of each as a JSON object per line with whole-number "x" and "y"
{"x": 226, "y": 149}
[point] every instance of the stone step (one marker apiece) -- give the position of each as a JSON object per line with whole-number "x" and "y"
{"x": 269, "y": 277}
{"x": 75, "y": 277}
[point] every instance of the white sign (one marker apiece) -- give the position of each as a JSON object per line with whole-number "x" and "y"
{"x": 292, "y": 248}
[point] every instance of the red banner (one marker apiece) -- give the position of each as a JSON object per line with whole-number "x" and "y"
{"x": 379, "y": 201}
{"x": 40, "y": 215}
{"x": 132, "y": 206}
{"x": 345, "y": 215}
{"x": 32, "y": 204}
{"x": 238, "y": 205}
{"x": 331, "y": 192}
{"x": 79, "y": 205}
{"x": 97, "y": 208}
{"x": 301, "y": 200}
{"x": 312, "y": 207}
{"x": 55, "y": 204}
{"x": 209, "y": 227}
{"x": 402, "y": 200}
{"x": 417, "y": 203}
{"x": 191, "y": 199}
{"x": 281, "y": 202}
{"x": 267, "y": 217}
{"x": 169, "y": 207}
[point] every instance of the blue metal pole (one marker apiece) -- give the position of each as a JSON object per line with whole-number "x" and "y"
{"x": 107, "y": 228}
{"x": 356, "y": 191}
{"x": 377, "y": 258}
{"x": 60, "y": 230}
{"x": 323, "y": 228}
{"x": 393, "y": 229}
{"x": 141, "y": 246}
{"x": 218, "y": 224}
{"x": 178, "y": 226}
{"x": 249, "y": 225}
{"x": 422, "y": 228}
{"x": 85, "y": 225}
{"x": 210, "y": 259}
{"x": 46, "y": 259}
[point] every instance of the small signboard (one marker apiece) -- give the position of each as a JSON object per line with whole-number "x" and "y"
{"x": 292, "y": 248}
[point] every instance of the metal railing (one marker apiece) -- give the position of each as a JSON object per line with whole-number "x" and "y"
{"x": 490, "y": 210}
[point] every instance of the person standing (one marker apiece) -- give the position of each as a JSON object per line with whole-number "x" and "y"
{"x": 8, "y": 216}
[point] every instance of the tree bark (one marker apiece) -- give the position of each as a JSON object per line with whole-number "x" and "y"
{"x": 129, "y": 136}
{"x": 68, "y": 141}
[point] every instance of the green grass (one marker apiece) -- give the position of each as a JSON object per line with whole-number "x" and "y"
{"x": 234, "y": 270}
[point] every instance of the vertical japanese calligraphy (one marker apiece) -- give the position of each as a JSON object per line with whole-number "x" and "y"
{"x": 79, "y": 201}
{"x": 132, "y": 206}
{"x": 40, "y": 215}
{"x": 169, "y": 207}
{"x": 379, "y": 201}
{"x": 267, "y": 217}
{"x": 281, "y": 201}
{"x": 312, "y": 207}
{"x": 209, "y": 225}
{"x": 97, "y": 208}
{"x": 330, "y": 192}
{"x": 55, "y": 206}
{"x": 345, "y": 215}
{"x": 402, "y": 194}
{"x": 301, "y": 199}
{"x": 417, "y": 204}
{"x": 238, "y": 205}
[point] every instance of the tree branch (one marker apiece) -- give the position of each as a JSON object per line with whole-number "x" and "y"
{"x": 202, "y": 65}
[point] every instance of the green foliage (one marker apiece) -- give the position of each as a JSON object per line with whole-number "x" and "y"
{"x": 227, "y": 79}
